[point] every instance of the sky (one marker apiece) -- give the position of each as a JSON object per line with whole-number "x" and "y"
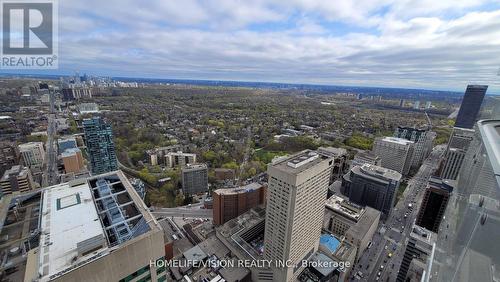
{"x": 431, "y": 44}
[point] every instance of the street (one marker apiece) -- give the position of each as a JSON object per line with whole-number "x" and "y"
{"x": 50, "y": 175}
{"x": 194, "y": 211}
{"x": 382, "y": 260}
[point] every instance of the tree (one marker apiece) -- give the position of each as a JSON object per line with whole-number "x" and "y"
{"x": 179, "y": 199}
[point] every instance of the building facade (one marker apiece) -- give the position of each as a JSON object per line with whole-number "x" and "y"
{"x": 423, "y": 139}
{"x": 33, "y": 154}
{"x": 194, "y": 179}
{"x": 419, "y": 249}
{"x": 296, "y": 195}
{"x": 100, "y": 145}
{"x": 466, "y": 248}
{"x": 17, "y": 179}
{"x": 365, "y": 157}
{"x": 72, "y": 160}
{"x": 9, "y": 156}
{"x": 340, "y": 165}
{"x": 434, "y": 203}
{"x": 179, "y": 159}
{"x": 395, "y": 153}
{"x": 455, "y": 152}
{"x": 372, "y": 186}
{"x": 232, "y": 202}
{"x": 471, "y": 105}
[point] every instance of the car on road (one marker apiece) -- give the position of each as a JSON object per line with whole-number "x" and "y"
{"x": 389, "y": 255}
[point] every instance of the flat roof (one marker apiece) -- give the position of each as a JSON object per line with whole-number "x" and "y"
{"x": 377, "y": 172}
{"x": 18, "y": 170}
{"x": 239, "y": 190}
{"x": 195, "y": 254}
{"x": 61, "y": 232}
{"x": 299, "y": 162}
{"x": 190, "y": 167}
{"x": 337, "y": 152}
{"x": 81, "y": 222}
{"x": 397, "y": 140}
{"x": 70, "y": 152}
{"x": 344, "y": 207}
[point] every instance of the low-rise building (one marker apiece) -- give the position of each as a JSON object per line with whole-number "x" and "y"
{"x": 9, "y": 156}
{"x": 179, "y": 159}
{"x": 222, "y": 174}
{"x": 350, "y": 221}
{"x": 17, "y": 179}
{"x": 365, "y": 157}
{"x": 157, "y": 155}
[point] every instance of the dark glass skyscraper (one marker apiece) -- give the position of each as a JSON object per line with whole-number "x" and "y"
{"x": 100, "y": 146}
{"x": 471, "y": 104}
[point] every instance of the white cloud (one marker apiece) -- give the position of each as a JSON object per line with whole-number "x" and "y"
{"x": 379, "y": 42}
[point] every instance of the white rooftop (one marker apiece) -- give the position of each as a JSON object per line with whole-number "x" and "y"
{"x": 401, "y": 141}
{"x": 69, "y": 216}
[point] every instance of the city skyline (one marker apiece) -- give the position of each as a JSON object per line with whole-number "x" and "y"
{"x": 381, "y": 44}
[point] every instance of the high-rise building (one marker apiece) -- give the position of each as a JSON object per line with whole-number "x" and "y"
{"x": 401, "y": 103}
{"x": 339, "y": 161}
{"x": 372, "y": 186}
{"x": 434, "y": 203}
{"x": 100, "y": 146}
{"x": 296, "y": 196}
{"x": 72, "y": 160}
{"x": 194, "y": 179}
{"x": 418, "y": 252}
{"x": 17, "y": 179}
{"x": 428, "y": 105}
{"x": 455, "y": 152}
{"x": 232, "y": 202}
{"x": 471, "y": 105}
{"x": 466, "y": 246}
{"x": 395, "y": 153}
{"x": 416, "y": 105}
{"x": 9, "y": 156}
{"x": 32, "y": 153}
{"x": 96, "y": 229}
{"x": 423, "y": 139}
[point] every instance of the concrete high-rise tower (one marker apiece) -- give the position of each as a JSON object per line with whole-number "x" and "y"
{"x": 296, "y": 196}
{"x": 471, "y": 104}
